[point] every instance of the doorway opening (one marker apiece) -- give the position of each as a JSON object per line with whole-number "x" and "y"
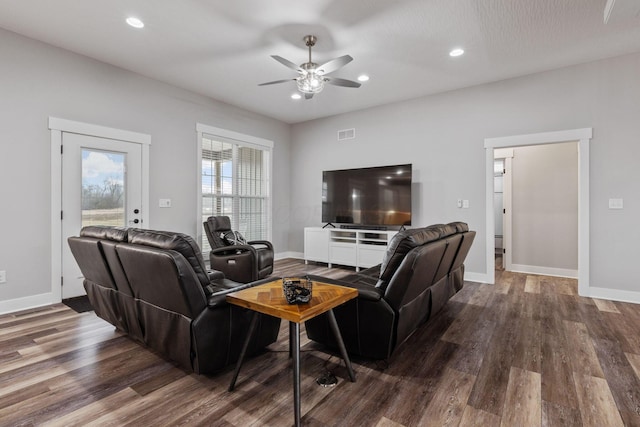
{"x": 582, "y": 137}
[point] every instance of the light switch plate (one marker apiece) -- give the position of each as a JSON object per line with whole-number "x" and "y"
{"x": 616, "y": 204}
{"x": 3, "y": 276}
{"x": 164, "y": 203}
{"x": 465, "y": 204}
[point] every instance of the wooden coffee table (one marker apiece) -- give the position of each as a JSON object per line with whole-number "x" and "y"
{"x": 268, "y": 298}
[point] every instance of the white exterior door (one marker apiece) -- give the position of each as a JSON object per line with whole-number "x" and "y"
{"x": 101, "y": 185}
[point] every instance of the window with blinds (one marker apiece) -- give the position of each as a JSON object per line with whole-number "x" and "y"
{"x": 235, "y": 182}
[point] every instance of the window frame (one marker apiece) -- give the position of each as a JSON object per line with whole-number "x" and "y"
{"x": 239, "y": 139}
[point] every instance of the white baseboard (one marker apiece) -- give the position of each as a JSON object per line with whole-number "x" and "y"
{"x": 615, "y": 295}
{"x": 545, "y": 271}
{"x": 470, "y": 276}
{"x": 283, "y": 255}
{"x": 26, "y": 303}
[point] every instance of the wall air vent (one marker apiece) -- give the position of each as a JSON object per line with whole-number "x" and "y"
{"x": 346, "y": 134}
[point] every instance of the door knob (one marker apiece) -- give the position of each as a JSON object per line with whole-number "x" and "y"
{"x": 135, "y": 221}
{"x": 136, "y": 211}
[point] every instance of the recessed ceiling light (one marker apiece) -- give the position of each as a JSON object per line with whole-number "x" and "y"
{"x": 456, "y": 52}
{"x": 296, "y": 96}
{"x": 135, "y": 22}
{"x": 363, "y": 78}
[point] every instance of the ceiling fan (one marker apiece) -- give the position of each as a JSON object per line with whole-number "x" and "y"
{"x": 313, "y": 76}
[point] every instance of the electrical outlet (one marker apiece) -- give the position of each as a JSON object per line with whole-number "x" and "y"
{"x": 3, "y": 276}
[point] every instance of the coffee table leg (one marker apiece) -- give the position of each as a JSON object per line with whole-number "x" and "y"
{"x": 343, "y": 350}
{"x": 247, "y": 340}
{"x": 294, "y": 342}
{"x": 291, "y": 333}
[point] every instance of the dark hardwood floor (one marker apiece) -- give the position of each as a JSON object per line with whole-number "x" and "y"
{"x": 527, "y": 351}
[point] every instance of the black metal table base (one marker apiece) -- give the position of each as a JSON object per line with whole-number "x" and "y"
{"x": 294, "y": 352}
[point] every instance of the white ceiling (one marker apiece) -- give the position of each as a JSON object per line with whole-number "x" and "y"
{"x": 222, "y": 48}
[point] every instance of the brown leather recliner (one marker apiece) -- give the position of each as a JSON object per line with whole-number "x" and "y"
{"x": 421, "y": 270}
{"x": 242, "y": 263}
{"x": 154, "y": 286}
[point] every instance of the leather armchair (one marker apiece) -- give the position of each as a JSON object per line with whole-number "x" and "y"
{"x": 240, "y": 263}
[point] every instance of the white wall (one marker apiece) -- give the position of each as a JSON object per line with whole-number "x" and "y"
{"x": 38, "y": 81}
{"x": 443, "y": 137}
{"x": 545, "y": 207}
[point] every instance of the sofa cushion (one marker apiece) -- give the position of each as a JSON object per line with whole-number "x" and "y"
{"x": 105, "y": 232}
{"x": 400, "y": 245}
{"x": 178, "y": 242}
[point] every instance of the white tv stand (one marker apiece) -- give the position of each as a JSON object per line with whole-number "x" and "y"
{"x": 358, "y": 248}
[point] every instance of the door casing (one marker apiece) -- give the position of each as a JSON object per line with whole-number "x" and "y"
{"x": 57, "y": 127}
{"x": 583, "y": 137}
{"x": 72, "y": 181}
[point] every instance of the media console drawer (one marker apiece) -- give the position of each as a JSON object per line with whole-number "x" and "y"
{"x": 343, "y": 253}
{"x": 368, "y": 257}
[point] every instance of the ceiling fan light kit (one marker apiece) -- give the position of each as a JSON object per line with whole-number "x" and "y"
{"x": 310, "y": 83}
{"x": 313, "y": 76}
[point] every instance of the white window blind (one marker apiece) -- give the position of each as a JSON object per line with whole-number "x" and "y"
{"x": 236, "y": 182}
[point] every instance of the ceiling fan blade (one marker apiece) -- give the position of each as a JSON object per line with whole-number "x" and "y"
{"x": 341, "y": 82}
{"x": 276, "y": 82}
{"x": 287, "y": 63}
{"x": 308, "y": 95}
{"x": 334, "y": 64}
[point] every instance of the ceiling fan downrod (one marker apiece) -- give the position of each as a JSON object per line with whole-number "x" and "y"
{"x": 310, "y": 41}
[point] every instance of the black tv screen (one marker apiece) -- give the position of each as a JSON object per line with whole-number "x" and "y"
{"x": 377, "y": 196}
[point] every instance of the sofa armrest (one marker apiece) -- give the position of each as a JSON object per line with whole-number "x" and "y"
{"x": 266, "y": 243}
{"x": 232, "y": 250}
{"x": 215, "y": 275}
{"x": 219, "y": 297}
{"x": 365, "y": 291}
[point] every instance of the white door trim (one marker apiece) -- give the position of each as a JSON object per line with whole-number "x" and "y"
{"x": 583, "y": 136}
{"x": 507, "y": 155}
{"x": 57, "y": 127}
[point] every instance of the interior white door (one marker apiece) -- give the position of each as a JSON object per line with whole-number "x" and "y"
{"x": 101, "y": 185}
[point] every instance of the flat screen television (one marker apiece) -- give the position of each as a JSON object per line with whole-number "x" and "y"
{"x": 376, "y": 196}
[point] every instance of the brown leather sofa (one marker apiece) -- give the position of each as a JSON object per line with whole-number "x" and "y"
{"x": 154, "y": 286}
{"x": 421, "y": 270}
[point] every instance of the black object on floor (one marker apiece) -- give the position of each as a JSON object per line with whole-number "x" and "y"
{"x": 78, "y": 304}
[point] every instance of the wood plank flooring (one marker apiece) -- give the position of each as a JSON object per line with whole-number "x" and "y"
{"x": 525, "y": 352}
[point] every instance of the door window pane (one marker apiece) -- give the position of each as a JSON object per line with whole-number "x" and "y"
{"x": 103, "y": 188}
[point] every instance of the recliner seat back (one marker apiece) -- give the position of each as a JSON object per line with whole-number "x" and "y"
{"x": 179, "y": 242}
{"x": 163, "y": 278}
{"x": 214, "y": 226}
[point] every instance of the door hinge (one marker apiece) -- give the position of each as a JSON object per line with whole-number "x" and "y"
{"x": 61, "y": 149}
{"x": 61, "y": 281}
{"x": 61, "y": 215}
{"x": 504, "y": 171}
{"x": 504, "y": 251}
{"x": 504, "y": 211}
